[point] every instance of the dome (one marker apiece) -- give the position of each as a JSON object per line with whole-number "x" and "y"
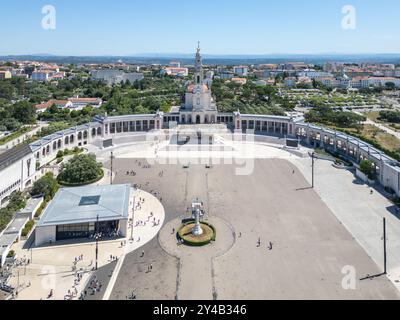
{"x": 192, "y": 87}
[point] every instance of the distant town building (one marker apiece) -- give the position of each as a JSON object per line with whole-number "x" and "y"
{"x": 114, "y": 76}
{"x": 240, "y": 81}
{"x": 5, "y": 74}
{"x": 315, "y": 74}
{"x": 226, "y": 75}
{"x": 241, "y": 71}
{"x": 80, "y": 103}
{"x": 72, "y": 103}
{"x": 61, "y": 104}
{"x": 260, "y": 82}
{"x": 175, "y": 64}
{"x": 290, "y": 81}
{"x": 175, "y": 71}
{"x": 42, "y": 75}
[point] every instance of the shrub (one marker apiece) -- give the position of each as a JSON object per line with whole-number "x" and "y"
{"x": 28, "y": 227}
{"x": 41, "y": 209}
{"x": 197, "y": 242}
{"x": 11, "y": 254}
{"x": 76, "y": 150}
{"x": 46, "y": 186}
{"x": 60, "y": 154}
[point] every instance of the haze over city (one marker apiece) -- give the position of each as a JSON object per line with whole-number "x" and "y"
{"x": 225, "y": 27}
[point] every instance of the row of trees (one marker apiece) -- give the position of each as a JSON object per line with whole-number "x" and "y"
{"x": 326, "y": 115}
{"x": 249, "y": 98}
{"x": 389, "y": 116}
{"x": 13, "y": 116}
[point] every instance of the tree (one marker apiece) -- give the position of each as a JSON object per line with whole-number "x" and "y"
{"x": 367, "y": 167}
{"x": 81, "y": 169}
{"x": 390, "y": 116}
{"x": 46, "y": 186}
{"x": 325, "y": 114}
{"x": 24, "y": 112}
{"x": 390, "y": 85}
{"x": 6, "y": 90}
{"x": 11, "y": 124}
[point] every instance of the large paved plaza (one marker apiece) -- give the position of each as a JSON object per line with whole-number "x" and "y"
{"x": 274, "y": 203}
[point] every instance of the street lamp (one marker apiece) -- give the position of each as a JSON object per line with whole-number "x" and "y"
{"x": 384, "y": 247}
{"x": 97, "y": 237}
{"x": 111, "y": 173}
{"x": 133, "y": 218}
{"x": 312, "y": 168}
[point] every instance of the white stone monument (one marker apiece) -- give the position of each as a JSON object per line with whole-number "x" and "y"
{"x": 197, "y": 213}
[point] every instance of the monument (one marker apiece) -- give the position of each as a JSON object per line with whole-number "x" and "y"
{"x": 197, "y": 213}
{"x": 196, "y": 232}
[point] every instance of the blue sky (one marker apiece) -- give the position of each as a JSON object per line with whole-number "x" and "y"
{"x": 127, "y": 27}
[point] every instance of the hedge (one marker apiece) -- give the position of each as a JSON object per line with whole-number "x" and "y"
{"x": 11, "y": 254}
{"x": 28, "y": 227}
{"x": 195, "y": 243}
{"x": 41, "y": 208}
{"x": 68, "y": 184}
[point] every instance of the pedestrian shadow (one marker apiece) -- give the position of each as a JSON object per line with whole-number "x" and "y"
{"x": 303, "y": 189}
{"x": 358, "y": 182}
{"x": 371, "y": 277}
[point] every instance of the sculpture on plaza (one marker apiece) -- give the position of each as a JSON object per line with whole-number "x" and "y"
{"x": 196, "y": 232}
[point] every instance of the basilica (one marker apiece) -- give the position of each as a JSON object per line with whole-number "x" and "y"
{"x": 199, "y": 106}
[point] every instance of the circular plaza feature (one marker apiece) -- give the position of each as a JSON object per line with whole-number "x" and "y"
{"x": 189, "y": 238}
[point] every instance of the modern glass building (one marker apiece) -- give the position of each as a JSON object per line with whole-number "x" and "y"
{"x": 82, "y": 212}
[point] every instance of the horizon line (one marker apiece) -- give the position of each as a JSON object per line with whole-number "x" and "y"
{"x": 166, "y": 54}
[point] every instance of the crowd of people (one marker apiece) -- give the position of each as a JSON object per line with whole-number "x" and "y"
{"x": 94, "y": 286}
{"x": 73, "y": 292}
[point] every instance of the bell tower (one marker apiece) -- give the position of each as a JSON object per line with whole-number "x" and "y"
{"x": 198, "y": 76}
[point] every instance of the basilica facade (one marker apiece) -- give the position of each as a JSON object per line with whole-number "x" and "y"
{"x": 199, "y": 106}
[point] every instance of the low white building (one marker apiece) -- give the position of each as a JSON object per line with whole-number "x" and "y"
{"x": 79, "y": 213}
{"x": 80, "y": 103}
{"x": 17, "y": 171}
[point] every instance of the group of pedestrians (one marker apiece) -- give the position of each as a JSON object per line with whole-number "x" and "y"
{"x": 132, "y": 296}
{"x": 22, "y": 262}
{"x": 270, "y": 245}
{"x": 113, "y": 258}
{"x": 76, "y": 260}
{"x": 94, "y": 286}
